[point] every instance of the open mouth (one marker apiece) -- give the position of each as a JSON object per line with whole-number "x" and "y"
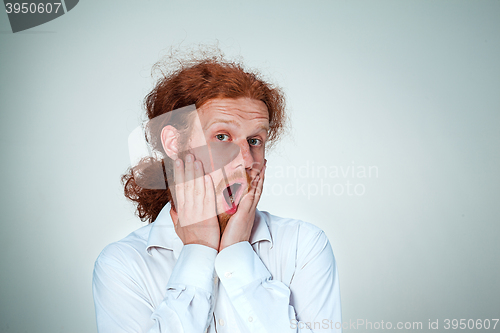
{"x": 232, "y": 194}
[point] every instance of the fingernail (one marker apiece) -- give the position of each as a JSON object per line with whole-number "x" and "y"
{"x": 177, "y": 162}
{"x": 189, "y": 158}
{"x": 196, "y": 166}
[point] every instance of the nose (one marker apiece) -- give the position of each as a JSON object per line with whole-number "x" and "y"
{"x": 248, "y": 160}
{"x": 245, "y": 157}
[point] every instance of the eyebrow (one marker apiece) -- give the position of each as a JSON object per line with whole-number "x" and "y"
{"x": 231, "y": 122}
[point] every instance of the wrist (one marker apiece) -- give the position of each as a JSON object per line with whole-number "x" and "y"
{"x": 224, "y": 245}
{"x": 204, "y": 243}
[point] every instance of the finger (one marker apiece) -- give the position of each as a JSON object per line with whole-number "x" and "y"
{"x": 209, "y": 203}
{"x": 179, "y": 182}
{"x": 253, "y": 173}
{"x": 258, "y": 189}
{"x": 262, "y": 173}
{"x": 253, "y": 176}
{"x": 199, "y": 186}
{"x": 246, "y": 202}
{"x": 189, "y": 180}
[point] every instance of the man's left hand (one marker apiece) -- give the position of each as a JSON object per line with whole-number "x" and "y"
{"x": 239, "y": 226}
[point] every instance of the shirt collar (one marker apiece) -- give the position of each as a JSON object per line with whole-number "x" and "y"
{"x": 163, "y": 234}
{"x": 260, "y": 229}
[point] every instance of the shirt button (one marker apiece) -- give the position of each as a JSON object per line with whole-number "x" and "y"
{"x": 250, "y": 319}
{"x": 221, "y": 322}
{"x": 228, "y": 274}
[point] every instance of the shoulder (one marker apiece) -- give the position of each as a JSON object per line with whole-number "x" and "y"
{"x": 298, "y": 247}
{"x": 280, "y": 227}
{"x": 121, "y": 253}
{"x": 303, "y": 237}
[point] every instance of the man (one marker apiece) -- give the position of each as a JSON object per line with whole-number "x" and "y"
{"x": 209, "y": 261}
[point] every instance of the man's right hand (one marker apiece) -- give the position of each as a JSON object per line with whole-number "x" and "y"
{"x": 195, "y": 219}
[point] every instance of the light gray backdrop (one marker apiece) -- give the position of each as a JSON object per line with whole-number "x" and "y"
{"x": 406, "y": 90}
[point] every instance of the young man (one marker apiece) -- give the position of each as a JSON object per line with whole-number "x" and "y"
{"x": 209, "y": 261}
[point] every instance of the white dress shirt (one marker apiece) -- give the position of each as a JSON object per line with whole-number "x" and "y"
{"x": 283, "y": 280}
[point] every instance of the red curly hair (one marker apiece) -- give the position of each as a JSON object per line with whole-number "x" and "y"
{"x": 195, "y": 82}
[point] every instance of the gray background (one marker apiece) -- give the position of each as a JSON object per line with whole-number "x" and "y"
{"x": 411, "y": 87}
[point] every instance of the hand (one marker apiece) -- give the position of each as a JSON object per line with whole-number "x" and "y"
{"x": 239, "y": 226}
{"x": 195, "y": 219}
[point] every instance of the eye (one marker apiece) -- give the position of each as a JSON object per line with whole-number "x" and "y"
{"x": 222, "y": 137}
{"x": 254, "y": 142}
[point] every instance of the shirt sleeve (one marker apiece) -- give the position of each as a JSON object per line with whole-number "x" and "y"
{"x": 265, "y": 305}
{"x": 123, "y": 306}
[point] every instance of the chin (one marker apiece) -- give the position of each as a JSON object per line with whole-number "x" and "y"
{"x": 223, "y": 219}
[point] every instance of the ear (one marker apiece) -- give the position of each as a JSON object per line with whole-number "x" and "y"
{"x": 169, "y": 136}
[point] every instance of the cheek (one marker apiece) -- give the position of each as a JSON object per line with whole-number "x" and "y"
{"x": 202, "y": 154}
{"x": 258, "y": 157}
{"x": 217, "y": 179}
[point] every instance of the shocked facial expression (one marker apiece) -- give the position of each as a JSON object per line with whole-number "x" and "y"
{"x": 235, "y": 131}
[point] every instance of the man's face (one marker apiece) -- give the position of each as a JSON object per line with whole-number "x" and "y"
{"x": 243, "y": 125}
